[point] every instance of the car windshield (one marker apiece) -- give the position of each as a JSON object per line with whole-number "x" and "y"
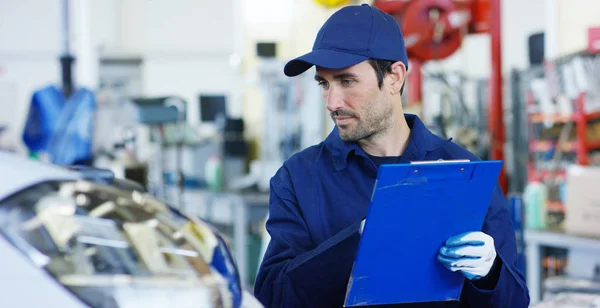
{"x": 108, "y": 245}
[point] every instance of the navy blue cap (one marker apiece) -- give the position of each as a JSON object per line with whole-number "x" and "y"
{"x": 352, "y": 35}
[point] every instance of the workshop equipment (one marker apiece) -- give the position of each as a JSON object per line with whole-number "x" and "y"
{"x": 434, "y": 29}
{"x": 157, "y": 112}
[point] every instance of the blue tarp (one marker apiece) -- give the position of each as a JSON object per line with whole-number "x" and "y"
{"x": 60, "y": 127}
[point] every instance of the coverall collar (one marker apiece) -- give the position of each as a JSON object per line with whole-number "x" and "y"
{"x": 423, "y": 140}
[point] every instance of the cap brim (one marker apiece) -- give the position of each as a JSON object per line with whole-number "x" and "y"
{"x": 325, "y": 58}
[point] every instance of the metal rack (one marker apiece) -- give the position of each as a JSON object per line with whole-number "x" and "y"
{"x": 562, "y": 103}
{"x": 548, "y": 153}
{"x": 536, "y": 240}
{"x": 581, "y": 145}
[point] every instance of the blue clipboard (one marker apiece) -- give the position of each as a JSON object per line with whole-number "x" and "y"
{"x": 414, "y": 209}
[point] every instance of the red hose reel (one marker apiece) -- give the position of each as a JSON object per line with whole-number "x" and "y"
{"x": 434, "y": 29}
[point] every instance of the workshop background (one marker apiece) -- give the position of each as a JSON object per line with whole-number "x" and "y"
{"x": 188, "y": 98}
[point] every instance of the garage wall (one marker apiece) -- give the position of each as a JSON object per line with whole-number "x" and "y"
{"x": 29, "y": 50}
{"x": 574, "y": 19}
{"x": 187, "y": 46}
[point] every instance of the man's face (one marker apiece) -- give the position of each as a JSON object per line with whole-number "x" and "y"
{"x": 359, "y": 108}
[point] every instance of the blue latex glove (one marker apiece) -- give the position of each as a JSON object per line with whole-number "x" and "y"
{"x": 471, "y": 253}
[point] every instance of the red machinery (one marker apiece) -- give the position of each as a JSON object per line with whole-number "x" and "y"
{"x": 434, "y": 29}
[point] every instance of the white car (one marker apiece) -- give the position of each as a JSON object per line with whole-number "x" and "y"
{"x": 78, "y": 238}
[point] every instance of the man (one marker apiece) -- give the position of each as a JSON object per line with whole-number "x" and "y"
{"x": 319, "y": 197}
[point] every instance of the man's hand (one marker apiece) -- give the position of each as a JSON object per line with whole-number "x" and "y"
{"x": 471, "y": 253}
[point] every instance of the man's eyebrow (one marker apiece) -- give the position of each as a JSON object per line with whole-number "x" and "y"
{"x": 336, "y": 76}
{"x": 344, "y": 76}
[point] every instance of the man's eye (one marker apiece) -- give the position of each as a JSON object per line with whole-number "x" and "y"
{"x": 323, "y": 84}
{"x": 347, "y": 82}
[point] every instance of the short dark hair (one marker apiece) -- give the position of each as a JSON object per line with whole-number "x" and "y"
{"x": 382, "y": 68}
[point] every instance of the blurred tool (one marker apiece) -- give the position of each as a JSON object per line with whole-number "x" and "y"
{"x": 553, "y": 182}
{"x": 282, "y": 125}
{"x": 157, "y": 113}
{"x": 454, "y": 118}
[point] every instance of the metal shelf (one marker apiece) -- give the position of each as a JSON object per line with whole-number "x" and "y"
{"x": 559, "y": 239}
{"x": 593, "y": 145}
{"x": 536, "y": 239}
{"x": 546, "y": 145}
{"x": 538, "y": 118}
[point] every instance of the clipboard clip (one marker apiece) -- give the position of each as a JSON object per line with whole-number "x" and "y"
{"x": 442, "y": 170}
{"x": 439, "y": 161}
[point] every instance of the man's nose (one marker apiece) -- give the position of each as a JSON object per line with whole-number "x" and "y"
{"x": 334, "y": 99}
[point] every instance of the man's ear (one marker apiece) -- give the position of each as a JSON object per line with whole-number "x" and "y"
{"x": 398, "y": 76}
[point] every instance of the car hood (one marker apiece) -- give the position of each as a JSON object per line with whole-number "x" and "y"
{"x": 18, "y": 172}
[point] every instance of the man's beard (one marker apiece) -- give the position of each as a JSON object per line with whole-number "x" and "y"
{"x": 366, "y": 127}
{"x": 360, "y": 131}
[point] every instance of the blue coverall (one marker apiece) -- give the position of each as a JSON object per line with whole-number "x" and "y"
{"x": 318, "y": 199}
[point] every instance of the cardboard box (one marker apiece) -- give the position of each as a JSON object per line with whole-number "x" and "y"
{"x": 582, "y": 201}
